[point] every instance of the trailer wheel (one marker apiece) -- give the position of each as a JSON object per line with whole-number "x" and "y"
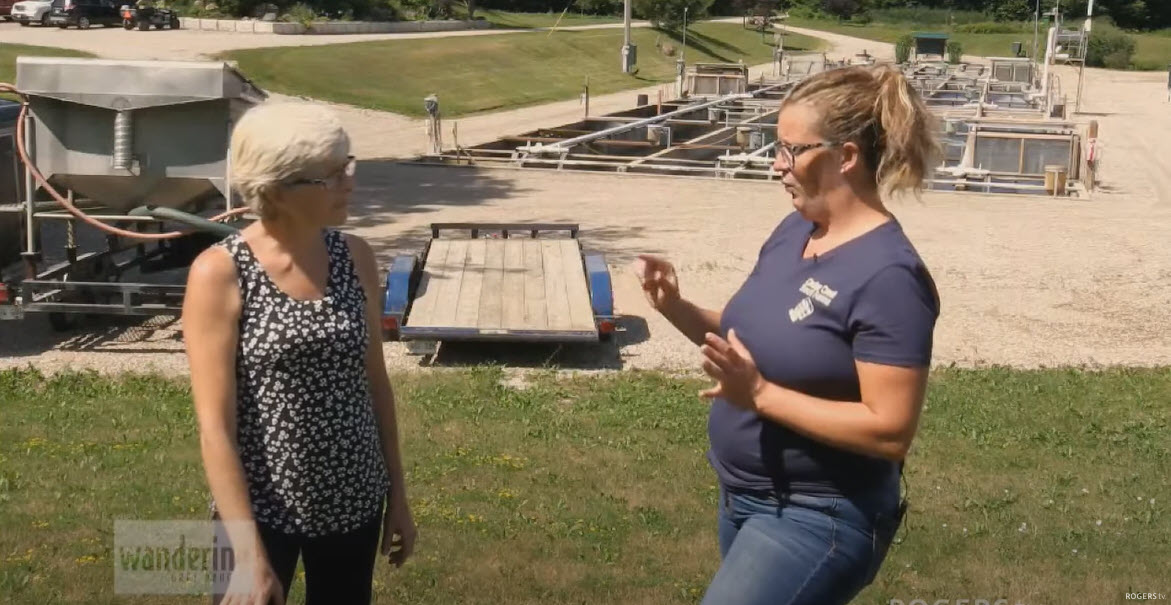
{"x": 64, "y": 322}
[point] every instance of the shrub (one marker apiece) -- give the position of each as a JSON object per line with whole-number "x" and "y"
{"x": 1109, "y": 47}
{"x": 862, "y": 18}
{"x": 955, "y": 52}
{"x": 1013, "y": 10}
{"x": 301, "y": 13}
{"x": 668, "y": 14}
{"x": 903, "y": 48}
{"x": 842, "y": 9}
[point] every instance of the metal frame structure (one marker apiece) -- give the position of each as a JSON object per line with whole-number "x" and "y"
{"x": 140, "y": 185}
{"x": 733, "y": 135}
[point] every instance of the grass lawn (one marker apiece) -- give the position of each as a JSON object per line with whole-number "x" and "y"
{"x": 534, "y": 20}
{"x": 974, "y": 44}
{"x": 9, "y": 53}
{"x": 1153, "y": 50}
{"x": 482, "y": 73}
{"x": 1039, "y": 487}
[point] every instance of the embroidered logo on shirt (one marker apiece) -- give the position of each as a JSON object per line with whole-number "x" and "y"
{"x": 801, "y": 311}
{"x": 813, "y": 291}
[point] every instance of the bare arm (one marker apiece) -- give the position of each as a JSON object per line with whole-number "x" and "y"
{"x": 660, "y": 284}
{"x": 691, "y": 319}
{"x": 211, "y": 312}
{"x": 883, "y": 424}
{"x": 380, "y": 389}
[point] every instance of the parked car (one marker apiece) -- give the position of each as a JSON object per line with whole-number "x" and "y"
{"x": 32, "y": 11}
{"x": 84, "y": 13}
{"x": 146, "y": 15}
{"x": 6, "y": 9}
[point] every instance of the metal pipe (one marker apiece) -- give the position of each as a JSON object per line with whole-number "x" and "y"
{"x": 123, "y": 140}
{"x": 29, "y": 190}
{"x": 564, "y": 146}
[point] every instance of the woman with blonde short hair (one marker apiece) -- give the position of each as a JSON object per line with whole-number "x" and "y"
{"x": 821, "y": 358}
{"x": 296, "y": 414}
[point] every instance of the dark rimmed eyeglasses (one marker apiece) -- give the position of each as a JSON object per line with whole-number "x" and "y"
{"x": 789, "y": 153}
{"x": 349, "y": 170}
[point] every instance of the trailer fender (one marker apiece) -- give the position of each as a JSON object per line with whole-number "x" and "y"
{"x": 400, "y": 286}
{"x": 601, "y": 292}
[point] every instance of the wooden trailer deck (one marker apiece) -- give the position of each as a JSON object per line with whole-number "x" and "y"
{"x": 516, "y": 285}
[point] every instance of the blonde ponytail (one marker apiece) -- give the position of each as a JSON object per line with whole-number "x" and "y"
{"x": 876, "y": 108}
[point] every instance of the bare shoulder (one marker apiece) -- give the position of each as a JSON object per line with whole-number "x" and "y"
{"x": 363, "y": 253}
{"x": 213, "y": 268}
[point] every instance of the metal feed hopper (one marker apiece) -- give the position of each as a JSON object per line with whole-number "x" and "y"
{"x": 129, "y": 133}
{"x": 135, "y": 155}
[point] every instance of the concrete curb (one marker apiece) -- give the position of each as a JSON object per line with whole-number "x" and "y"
{"x": 328, "y": 27}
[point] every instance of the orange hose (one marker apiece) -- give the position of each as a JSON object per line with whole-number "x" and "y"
{"x": 64, "y": 201}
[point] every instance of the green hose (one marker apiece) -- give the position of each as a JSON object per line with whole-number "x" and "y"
{"x": 191, "y": 220}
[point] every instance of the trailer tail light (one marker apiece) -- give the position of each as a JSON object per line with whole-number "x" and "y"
{"x": 389, "y": 323}
{"x": 3, "y": 294}
{"x": 606, "y": 326}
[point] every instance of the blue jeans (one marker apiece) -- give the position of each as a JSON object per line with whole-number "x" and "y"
{"x": 799, "y": 549}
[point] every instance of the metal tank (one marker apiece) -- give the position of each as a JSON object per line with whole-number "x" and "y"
{"x": 131, "y": 133}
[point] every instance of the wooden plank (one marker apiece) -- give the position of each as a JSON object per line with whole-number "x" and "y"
{"x": 449, "y": 284}
{"x": 490, "y": 297}
{"x": 536, "y": 316}
{"x": 581, "y": 313}
{"x": 428, "y": 288}
{"x": 556, "y": 297}
{"x": 513, "y": 287}
{"x": 467, "y": 310}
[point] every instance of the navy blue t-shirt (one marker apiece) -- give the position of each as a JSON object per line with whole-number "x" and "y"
{"x": 806, "y": 321}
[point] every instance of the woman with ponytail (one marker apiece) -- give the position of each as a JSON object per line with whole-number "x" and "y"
{"x": 820, "y": 360}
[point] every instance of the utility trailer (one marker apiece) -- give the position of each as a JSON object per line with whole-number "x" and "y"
{"x": 503, "y": 282}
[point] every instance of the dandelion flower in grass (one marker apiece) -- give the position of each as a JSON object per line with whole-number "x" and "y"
{"x": 1023, "y": 528}
{"x": 1075, "y": 551}
{"x": 1085, "y": 491}
{"x": 1152, "y": 501}
{"x": 1099, "y": 523}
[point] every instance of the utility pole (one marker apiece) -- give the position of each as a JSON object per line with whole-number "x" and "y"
{"x": 680, "y": 65}
{"x": 629, "y": 51}
{"x": 1036, "y": 29}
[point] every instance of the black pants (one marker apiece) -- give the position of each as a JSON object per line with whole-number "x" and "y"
{"x": 338, "y": 569}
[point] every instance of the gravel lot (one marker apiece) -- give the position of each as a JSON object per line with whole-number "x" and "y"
{"x": 1025, "y": 281}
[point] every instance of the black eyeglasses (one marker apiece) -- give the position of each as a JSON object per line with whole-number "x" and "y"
{"x": 789, "y": 153}
{"x": 349, "y": 170}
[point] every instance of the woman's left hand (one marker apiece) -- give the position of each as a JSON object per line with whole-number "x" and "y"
{"x": 398, "y": 530}
{"x": 738, "y": 381}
